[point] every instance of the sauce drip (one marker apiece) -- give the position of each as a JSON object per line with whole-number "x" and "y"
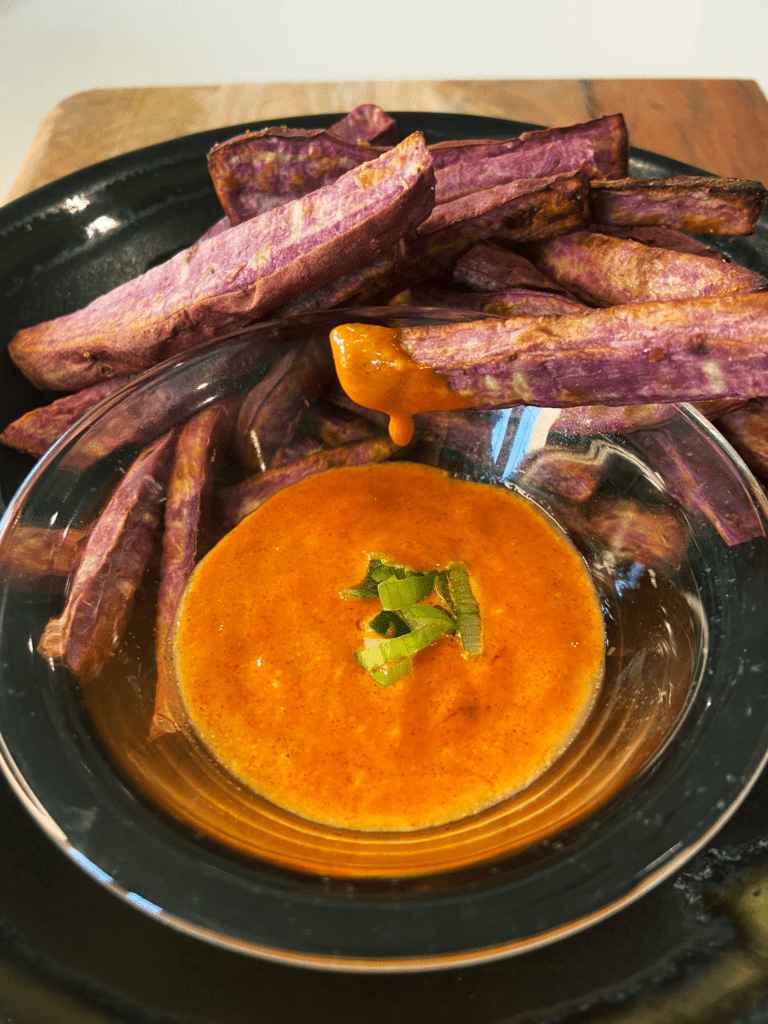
{"x": 265, "y": 650}
{"x": 377, "y": 374}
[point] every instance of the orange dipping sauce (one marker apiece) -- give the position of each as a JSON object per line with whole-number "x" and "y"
{"x": 265, "y": 650}
{"x": 375, "y": 372}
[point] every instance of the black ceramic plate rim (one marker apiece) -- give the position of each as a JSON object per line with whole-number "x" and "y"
{"x": 29, "y": 211}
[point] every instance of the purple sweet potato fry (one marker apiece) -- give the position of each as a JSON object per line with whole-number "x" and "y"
{"x": 704, "y": 205}
{"x": 38, "y": 429}
{"x": 111, "y": 567}
{"x": 259, "y": 171}
{"x": 366, "y": 123}
{"x": 147, "y": 413}
{"x": 357, "y": 281}
{"x": 696, "y": 481}
{"x": 235, "y": 502}
{"x": 629, "y": 531}
{"x": 271, "y": 411}
{"x": 185, "y": 533}
{"x": 601, "y": 144}
{"x": 523, "y": 211}
{"x": 611, "y": 419}
{"x": 625, "y": 419}
{"x": 746, "y": 429}
{"x": 718, "y": 407}
{"x": 681, "y": 350}
{"x": 569, "y": 474}
{"x": 607, "y": 271}
{"x": 334, "y": 426}
{"x": 488, "y": 267}
{"x": 517, "y": 302}
{"x": 298, "y": 448}
{"x": 662, "y": 238}
{"x": 35, "y": 555}
{"x": 238, "y": 276}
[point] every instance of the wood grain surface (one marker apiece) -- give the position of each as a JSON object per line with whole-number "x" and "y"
{"x": 718, "y": 124}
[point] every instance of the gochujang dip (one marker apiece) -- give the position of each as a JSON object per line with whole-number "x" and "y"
{"x": 266, "y": 643}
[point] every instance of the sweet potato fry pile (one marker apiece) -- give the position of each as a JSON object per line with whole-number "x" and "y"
{"x": 609, "y": 307}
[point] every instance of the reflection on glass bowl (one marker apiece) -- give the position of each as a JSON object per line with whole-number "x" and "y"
{"x": 672, "y": 529}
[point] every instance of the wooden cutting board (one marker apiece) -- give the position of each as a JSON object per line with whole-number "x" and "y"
{"x": 719, "y": 125}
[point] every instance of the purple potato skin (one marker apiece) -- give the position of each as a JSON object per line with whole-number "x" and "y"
{"x": 38, "y": 429}
{"x": 547, "y": 151}
{"x": 746, "y": 429}
{"x": 37, "y": 555}
{"x": 111, "y": 568}
{"x": 260, "y": 171}
{"x": 367, "y": 123}
{"x": 185, "y": 532}
{"x": 703, "y": 205}
{"x": 236, "y": 502}
{"x": 607, "y": 271}
{"x": 272, "y": 410}
{"x": 488, "y": 267}
{"x": 701, "y": 489}
{"x": 654, "y": 352}
{"x": 517, "y": 302}
{"x": 523, "y": 211}
{"x": 234, "y": 278}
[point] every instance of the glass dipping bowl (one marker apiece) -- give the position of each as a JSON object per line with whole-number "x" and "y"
{"x": 672, "y": 527}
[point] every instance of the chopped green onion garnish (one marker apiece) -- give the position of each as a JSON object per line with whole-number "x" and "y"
{"x": 441, "y": 586}
{"x": 401, "y": 593}
{"x": 383, "y": 651}
{"x": 369, "y": 586}
{"x": 407, "y": 626}
{"x": 421, "y": 614}
{"x": 391, "y": 673}
{"x": 389, "y": 623}
{"x": 465, "y": 608}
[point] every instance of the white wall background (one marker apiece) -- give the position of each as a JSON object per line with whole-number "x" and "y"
{"x": 50, "y": 49}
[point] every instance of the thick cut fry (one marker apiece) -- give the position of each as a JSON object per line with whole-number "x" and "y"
{"x": 233, "y": 503}
{"x": 569, "y": 474}
{"x": 36, "y": 555}
{"x": 599, "y": 147}
{"x": 662, "y": 238}
{"x": 36, "y": 430}
{"x": 488, "y": 267}
{"x": 367, "y": 123}
{"x": 112, "y": 565}
{"x": 704, "y": 205}
{"x": 271, "y": 411}
{"x": 606, "y": 271}
{"x": 747, "y": 430}
{"x": 259, "y": 171}
{"x": 537, "y": 208}
{"x": 236, "y": 277}
{"x": 683, "y": 350}
{"x": 519, "y": 302}
{"x": 629, "y": 531}
{"x": 701, "y": 488}
{"x": 185, "y": 532}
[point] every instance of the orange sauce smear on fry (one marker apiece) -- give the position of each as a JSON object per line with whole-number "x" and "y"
{"x": 376, "y": 373}
{"x": 265, "y": 650}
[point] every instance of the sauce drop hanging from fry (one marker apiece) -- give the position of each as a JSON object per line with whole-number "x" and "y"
{"x": 376, "y": 373}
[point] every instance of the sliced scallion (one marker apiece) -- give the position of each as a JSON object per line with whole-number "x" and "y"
{"x": 392, "y": 673}
{"x": 395, "y": 594}
{"x": 389, "y": 623}
{"x": 466, "y": 609}
{"x": 383, "y": 651}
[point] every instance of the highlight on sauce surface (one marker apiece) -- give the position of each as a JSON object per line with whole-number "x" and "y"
{"x": 268, "y": 635}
